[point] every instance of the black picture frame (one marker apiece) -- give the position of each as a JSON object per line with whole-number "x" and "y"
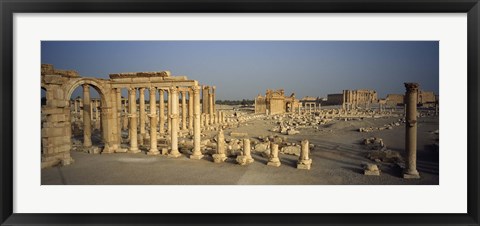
{"x": 9, "y": 7}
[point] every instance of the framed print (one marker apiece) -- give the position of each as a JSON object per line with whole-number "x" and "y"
{"x": 264, "y": 112}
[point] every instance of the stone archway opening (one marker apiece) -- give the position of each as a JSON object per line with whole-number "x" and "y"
{"x": 86, "y": 102}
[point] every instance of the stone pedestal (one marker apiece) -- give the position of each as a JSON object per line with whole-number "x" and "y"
{"x": 411, "y": 131}
{"x": 274, "y": 160}
{"x": 220, "y": 155}
{"x": 304, "y": 161}
{"x": 371, "y": 170}
{"x": 246, "y": 158}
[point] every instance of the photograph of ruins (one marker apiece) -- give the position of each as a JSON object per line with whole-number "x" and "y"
{"x": 240, "y": 113}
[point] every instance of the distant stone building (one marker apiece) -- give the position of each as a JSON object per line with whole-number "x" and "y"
{"x": 353, "y": 98}
{"x": 424, "y": 98}
{"x": 311, "y": 102}
{"x": 335, "y": 99}
{"x": 275, "y": 102}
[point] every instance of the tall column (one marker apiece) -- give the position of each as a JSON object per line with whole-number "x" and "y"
{"x": 190, "y": 109}
{"x": 142, "y": 114}
{"x": 197, "y": 154}
{"x": 205, "y": 99}
{"x": 87, "y": 124}
{"x": 411, "y": 131}
{"x": 153, "y": 123}
{"x": 133, "y": 120}
{"x": 162, "y": 112}
{"x": 184, "y": 110}
{"x": 76, "y": 106}
{"x": 169, "y": 110}
{"x": 174, "y": 119}
{"x": 97, "y": 114}
{"x": 214, "y": 107}
{"x": 91, "y": 108}
{"x": 211, "y": 112}
{"x": 125, "y": 115}
{"x": 344, "y": 99}
{"x": 118, "y": 95}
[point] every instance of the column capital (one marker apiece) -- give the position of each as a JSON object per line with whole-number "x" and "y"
{"x": 411, "y": 86}
{"x": 152, "y": 90}
{"x": 173, "y": 89}
{"x": 196, "y": 89}
{"x": 86, "y": 86}
{"x": 132, "y": 89}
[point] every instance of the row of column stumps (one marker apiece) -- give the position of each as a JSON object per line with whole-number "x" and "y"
{"x": 173, "y": 126}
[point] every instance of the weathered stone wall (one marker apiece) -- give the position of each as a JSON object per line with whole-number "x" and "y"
{"x": 395, "y": 99}
{"x": 335, "y": 99}
{"x": 260, "y": 105}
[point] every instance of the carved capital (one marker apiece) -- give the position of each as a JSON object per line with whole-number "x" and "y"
{"x": 411, "y": 87}
{"x": 152, "y": 90}
{"x": 173, "y": 89}
{"x": 196, "y": 90}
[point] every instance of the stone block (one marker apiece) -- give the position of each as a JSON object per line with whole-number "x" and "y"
{"x": 219, "y": 158}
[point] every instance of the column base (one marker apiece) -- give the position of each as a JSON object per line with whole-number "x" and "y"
{"x": 274, "y": 162}
{"x": 219, "y": 158}
{"x": 121, "y": 150}
{"x": 411, "y": 175}
{"x": 304, "y": 164}
{"x": 134, "y": 150}
{"x": 153, "y": 152}
{"x": 196, "y": 157}
{"x": 174, "y": 154}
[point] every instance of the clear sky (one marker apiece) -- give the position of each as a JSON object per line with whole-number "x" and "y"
{"x": 244, "y": 69}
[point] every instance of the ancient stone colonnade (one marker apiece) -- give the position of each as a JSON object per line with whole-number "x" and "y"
{"x": 114, "y": 113}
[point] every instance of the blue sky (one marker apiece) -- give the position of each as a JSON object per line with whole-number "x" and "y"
{"x": 244, "y": 69}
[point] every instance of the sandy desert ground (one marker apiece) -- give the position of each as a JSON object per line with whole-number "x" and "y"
{"x": 338, "y": 155}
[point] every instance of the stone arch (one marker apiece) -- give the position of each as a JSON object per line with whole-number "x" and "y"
{"x": 104, "y": 91}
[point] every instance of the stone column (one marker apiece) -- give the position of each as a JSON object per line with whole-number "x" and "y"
{"x": 190, "y": 109}
{"x": 184, "y": 111}
{"x": 197, "y": 154}
{"x": 214, "y": 109}
{"x": 169, "y": 110}
{"x": 247, "y": 150}
{"x": 133, "y": 120}
{"x": 304, "y": 161}
{"x": 174, "y": 153}
{"x": 274, "y": 160}
{"x": 153, "y": 123}
{"x": 87, "y": 124}
{"x": 125, "y": 116}
{"x": 162, "y": 111}
{"x": 97, "y": 107}
{"x": 76, "y": 106}
{"x": 211, "y": 112}
{"x": 220, "y": 156}
{"x": 118, "y": 97}
{"x": 411, "y": 131}
{"x": 142, "y": 114}
{"x": 344, "y": 99}
{"x": 205, "y": 99}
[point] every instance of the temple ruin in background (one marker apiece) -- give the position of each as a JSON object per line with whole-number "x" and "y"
{"x": 275, "y": 102}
